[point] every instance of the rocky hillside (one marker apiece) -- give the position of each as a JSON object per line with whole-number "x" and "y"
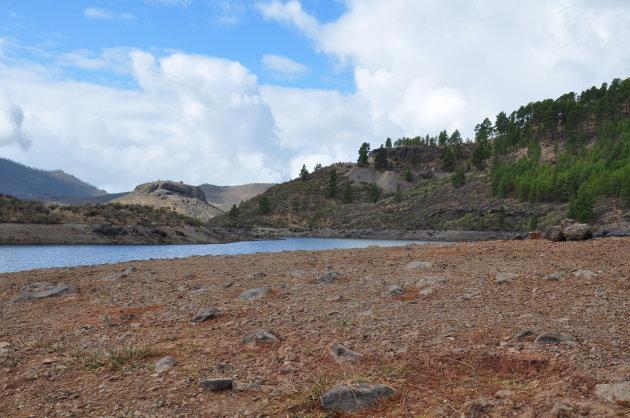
{"x": 179, "y": 197}
{"x": 552, "y": 159}
{"x": 30, "y": 183}
{"x": 224, "y": 197}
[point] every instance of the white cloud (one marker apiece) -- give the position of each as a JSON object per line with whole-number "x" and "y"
{"x": 97, "y": 13}
{"x": 194, "y": 118}
{"x": 11, "y": 118}
{"x": 283, "y": 66}
{"x": 429, "y": 65}
{"x": 116, "y": 59}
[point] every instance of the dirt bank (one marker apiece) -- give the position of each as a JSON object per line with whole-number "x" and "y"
{"x": 452, "y": 343}
{"x": 82, "y": 234}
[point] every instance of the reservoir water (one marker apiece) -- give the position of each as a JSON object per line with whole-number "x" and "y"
{"x": 28, "y": 257}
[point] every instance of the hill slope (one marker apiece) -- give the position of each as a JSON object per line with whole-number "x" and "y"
{"x": 29, "y": 183}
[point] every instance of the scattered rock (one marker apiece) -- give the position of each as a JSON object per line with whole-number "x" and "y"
{"x": 37, "y": 287}
{"x": 329, "y": 277}
{"x": 227, "y": 284}
{"x": 418, "y": 265}
{"x": 206, "y": 314}
{"x": 575, "y": 231}
{"x": 534, "y": 235}
{"x": 504, "y": 393}
{"x": 477, "y": 408}
{"x": 427, "y": 291}
{"x": 254, "y": 294}
{"x": 562, "y": 409}
{"x": 215, "y": 384}
{"x": 297, "y": 273}
{"x": 128, "y": 316}
{"x": 393, "y": 291}
{"x": 259, "y": 336}
{"x": 244, "y": 387}
{"x": 256, "y": 275}
{"x": 553, "y": 233}
{"x": 58, "y": 290}
{"x": 524, "y": 334}
{"x": 588, "y": 274}
{"x": 613, "y": 392}
{"x": 503, "y": 277}
{"x": 353, "y": 398}
{"x": 199, "y": 291}
{"x": 341, "y": 353}
{"x": 222, "y": 367}
{"x": 553, "y": 338}
{"x": 165, "y": 363}
{"x": 333, "y": 298}
{"x": 555, "y": 276}
{"x": 119, "y": 275}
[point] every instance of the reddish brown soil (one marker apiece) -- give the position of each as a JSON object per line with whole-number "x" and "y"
{"x": 446, "y": 353}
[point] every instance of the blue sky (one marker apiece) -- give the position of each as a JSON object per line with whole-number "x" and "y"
{"x": 123, "y": 92}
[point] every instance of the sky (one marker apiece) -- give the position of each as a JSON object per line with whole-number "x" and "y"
{"x": 123, "y": 92}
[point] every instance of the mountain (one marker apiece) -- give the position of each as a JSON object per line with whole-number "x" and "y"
{"x": 182, "y": 198}
{"x": 547, "y": 160}
{"x": 224, "y": 197}
{"x": 30, "y": 183}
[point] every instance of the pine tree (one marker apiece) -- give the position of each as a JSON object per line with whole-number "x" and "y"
{"x": 374, "y": 193}
{"x": 234, "y": 212}
{"x": 304, "y": 172}
{"x": 459, "y": 178}
{"x": 363, "y": 155}
{"x": 331, "y": 190}
{"x": 346, "y": 194}
{"x": 380, "y": 159}
{"x": 264, "y": 205}
{"x": 408, "y": 174}
{"x": 388, "y": 142}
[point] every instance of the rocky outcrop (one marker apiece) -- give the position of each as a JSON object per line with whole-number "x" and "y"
{"x": 182, "y": 198}
{"x": 569, "y": 230}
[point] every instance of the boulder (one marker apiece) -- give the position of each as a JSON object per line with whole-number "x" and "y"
{"x": 534, "y": 235}
{"x": 553, "y": 338}
{"x": 613, "y": 392}
{"x": 254, "y": 294}
{"x": 48, "y": 292}
{"x": 329, "y": 277}
{"x": 341, "y": 353}
{"x": 165, "y": 363}
{"x": 575, "y": 231}
{"x": 353, "y": 398}
{"x": 206, "y": 314}
{"x": 553, "y": 233}
{"x": 393, "y": 291}
{"x": 215, "y": 384}
{"x": 259, "y": 336}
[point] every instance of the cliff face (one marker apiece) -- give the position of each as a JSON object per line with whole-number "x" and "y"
{"x": 180, "y": 197}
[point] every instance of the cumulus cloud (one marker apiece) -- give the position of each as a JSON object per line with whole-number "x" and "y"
{"x": 429, "y": 65}
{"x": 193, "y": 118}
{"x": 11, "y": 118}
{"x": 283, "y": 66}
{"x": 96, "y": 13}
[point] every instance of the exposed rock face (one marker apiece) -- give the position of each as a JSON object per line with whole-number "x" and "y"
{"x": 182, "y": 198}
{"x": 575, "y": 231}
{"x": 224, "y": 197}
{"x": 351, "y": 399}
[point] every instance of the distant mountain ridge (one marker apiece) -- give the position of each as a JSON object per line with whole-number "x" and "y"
{"x": 224, "y": 197}
{"x": 26, "y": 182}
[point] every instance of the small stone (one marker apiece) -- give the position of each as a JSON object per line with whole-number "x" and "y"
{"x": 119, "y": 275}
{"x": 256, "y": 275}
{"x": 353, "y": 398}
{"x": 613, "y": 392}
{"x": 297, "y": 273}
{"x": 259, "y": 336}
{"x": 165, "y": 363}
{"x": 254, "y": 294}
{"x": 216, "y": 384}
{"x": 222, "y": 367}
{"x": 341, "y": 353}
{"x": 503, "y": 277}
{"x": 555, "y": 276}
{"x": 206, "y": 314}
{"x": 393, "y": 291}
{"x": 587, "y": 274}
{"x": 553, "y": 338}
{"x": 48, "y": 360}
{"x": 199, "y": 291}
{"x": 504, "y": 393}
{"x": 227, "y": 284}
{"x": 427, "y": 291}
{"x": 333, "y": 298}
{"x": 245, "y": 387}
{"x": 329, "y": 277}
{"x": 418, "y": 265}
{"x": 524, "y": 334}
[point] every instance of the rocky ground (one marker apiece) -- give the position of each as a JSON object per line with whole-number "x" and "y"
{"x": 508, "y": 328}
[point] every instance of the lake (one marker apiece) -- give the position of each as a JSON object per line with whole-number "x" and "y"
{"x": 28, "y": 257}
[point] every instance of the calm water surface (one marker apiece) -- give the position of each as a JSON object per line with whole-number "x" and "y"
{"x": 19, "y": 258}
